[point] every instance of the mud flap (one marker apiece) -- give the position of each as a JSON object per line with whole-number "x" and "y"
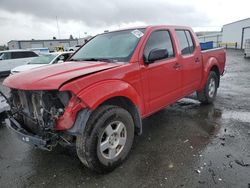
{"x": 80, "y": 123}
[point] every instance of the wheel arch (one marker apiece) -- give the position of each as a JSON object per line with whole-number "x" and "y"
{"x": 111, "y": 92}
{"x": 98, "y": 93}
{"x": 215, "y": 68}
{"x": 128, "y": 105}
{"x": 212, "y": 64}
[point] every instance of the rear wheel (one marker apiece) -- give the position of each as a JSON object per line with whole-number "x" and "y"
{"x": 107, "y": 139}
{"x": 209, "y": 92}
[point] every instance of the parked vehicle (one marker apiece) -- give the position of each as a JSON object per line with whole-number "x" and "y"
{"x": 40, "y": 51}
{"x": 98, "y": 99}
{"x": 59, "y": 48}
{"x": 43, "y": 60}
{"x": 13, "y": 58}
{"x": 247, "y": 48}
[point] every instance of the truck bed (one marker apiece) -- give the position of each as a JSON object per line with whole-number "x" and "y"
{"x": 217, "y": 54}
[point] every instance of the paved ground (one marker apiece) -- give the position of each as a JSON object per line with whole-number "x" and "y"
{"x": 185, "y": 145}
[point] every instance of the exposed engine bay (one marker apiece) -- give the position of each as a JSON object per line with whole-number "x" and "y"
{"x": 38, "y": 111}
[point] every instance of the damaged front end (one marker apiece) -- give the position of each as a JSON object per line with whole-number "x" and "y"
{"x": 40, "y": 117}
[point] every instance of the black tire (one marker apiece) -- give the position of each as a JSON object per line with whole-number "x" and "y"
{"x": 204, "y": 96}
{"x": 88, "y": 144}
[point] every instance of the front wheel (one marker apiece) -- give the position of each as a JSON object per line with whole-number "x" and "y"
{"x": 209, "y": 92}
{"x": 107, "y": 139}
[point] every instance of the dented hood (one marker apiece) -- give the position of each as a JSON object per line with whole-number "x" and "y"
{"x": 52, "y": 77}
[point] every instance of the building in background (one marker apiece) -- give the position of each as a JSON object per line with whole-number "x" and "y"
{"x": 82, "y": 41}
{"x": 236, "y": 33}
{"x": 50, "y": 44}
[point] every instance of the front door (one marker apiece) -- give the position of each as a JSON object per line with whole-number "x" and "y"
{"x": 163, "y": 77}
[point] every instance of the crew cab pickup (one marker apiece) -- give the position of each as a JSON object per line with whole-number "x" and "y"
{"x": 97, "y": 100}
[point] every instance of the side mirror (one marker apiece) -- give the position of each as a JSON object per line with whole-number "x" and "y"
{"x": 157, "y": 54}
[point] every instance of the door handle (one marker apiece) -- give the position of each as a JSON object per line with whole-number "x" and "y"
{"x": 197, "y": 60}
{"x": 177, "y": 66}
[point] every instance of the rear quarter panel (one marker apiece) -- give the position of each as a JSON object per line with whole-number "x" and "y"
{"x": 214, "y": 57}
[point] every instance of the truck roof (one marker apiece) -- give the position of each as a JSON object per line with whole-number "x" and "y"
{"x": 154, "y": 27}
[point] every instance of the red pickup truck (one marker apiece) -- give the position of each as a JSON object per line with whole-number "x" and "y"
{"x": 97, "y": 99}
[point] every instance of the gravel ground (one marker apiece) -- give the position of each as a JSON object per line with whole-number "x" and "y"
{"x": 184, "y": 145}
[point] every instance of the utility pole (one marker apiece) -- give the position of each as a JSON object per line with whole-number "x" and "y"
{"x": 59, "y": 36}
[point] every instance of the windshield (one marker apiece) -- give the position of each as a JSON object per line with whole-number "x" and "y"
{"x": 113, "y": 46}
{"x": 43, "y": 59}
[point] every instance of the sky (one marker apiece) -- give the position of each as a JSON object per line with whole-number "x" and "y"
{"x": 37, "y": 19}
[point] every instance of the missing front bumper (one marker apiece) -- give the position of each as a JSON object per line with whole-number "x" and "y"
{"x": 26, "y": 136}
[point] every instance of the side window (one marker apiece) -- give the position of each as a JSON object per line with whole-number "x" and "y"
{"x": 66, "y": 56}
{"x": 185, "y": 42}
{"x": 4, "y": 56}
{"x": 190, "y": 41}
{"x": 17, "y": 55}
{"x": 7, "y": 55}
{"x": 30, "y": 54}
{"x": 62, "y": 57}
{"x": 159, "y": 40}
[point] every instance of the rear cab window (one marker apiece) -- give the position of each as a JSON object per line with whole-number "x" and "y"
{"x": 186, "y": 42}
{"x": 160, "y": 39}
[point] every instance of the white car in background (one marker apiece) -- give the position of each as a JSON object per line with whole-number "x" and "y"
{"x": 43, "y": 60}
{"x": 40, "y": 51}
{"x": 13, "y": 58}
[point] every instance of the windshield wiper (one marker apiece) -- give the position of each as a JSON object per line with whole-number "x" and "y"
{"x": 93, "y": 59}
{"x": 98, "y": 59}
{"x": 75, "y": 60}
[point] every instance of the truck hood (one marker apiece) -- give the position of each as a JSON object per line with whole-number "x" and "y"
{"x": 52, "y": 77}
{"x": 26, "y": 67}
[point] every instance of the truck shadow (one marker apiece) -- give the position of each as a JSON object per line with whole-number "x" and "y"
{"x": 185, "y": 127}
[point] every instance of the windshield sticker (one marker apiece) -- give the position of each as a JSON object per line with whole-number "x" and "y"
{"x": 137, "y": 33}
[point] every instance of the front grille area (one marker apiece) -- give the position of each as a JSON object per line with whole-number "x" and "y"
{"x": 38, "y": 110}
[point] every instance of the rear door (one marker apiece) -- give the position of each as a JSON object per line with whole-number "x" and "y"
{"x": 190, "y": 57}
{"x": 163, "y": 78}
